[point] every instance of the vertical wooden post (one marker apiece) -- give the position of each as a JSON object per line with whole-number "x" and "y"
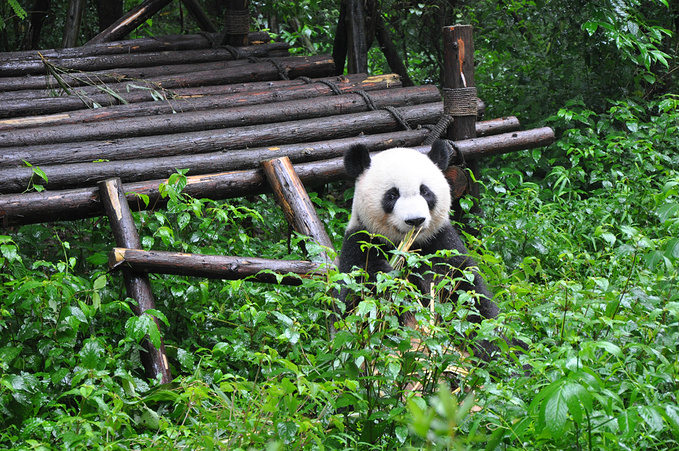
{"x": 358, "y": 42}
{"x": 459, "y": 89}
{"x": 137, "y": 284}
{"x": 295, "y": 202}
{"x": 236, "y": 23}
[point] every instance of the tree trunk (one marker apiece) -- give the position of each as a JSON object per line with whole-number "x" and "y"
{"x": 390, "y": 52}
{"x": 36, "y": 20}
{"x": 236, "y": 23}
{"x": 213, "y": 266}
{"x": 108, "y": 11}
{"x": 358, "y": 46}
{"x": 199, "y": 16}
{"x": 74, "y": 16}
{"x": 341, "y": 41}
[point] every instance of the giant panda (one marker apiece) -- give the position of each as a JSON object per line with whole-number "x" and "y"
{"x": 396, "y": 190}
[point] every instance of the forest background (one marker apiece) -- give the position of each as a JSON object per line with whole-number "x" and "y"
{"x": 579, "y": 241}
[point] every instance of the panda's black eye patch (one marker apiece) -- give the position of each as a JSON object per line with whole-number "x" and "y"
{"x": 389, "y": 199}
{"x": 428, "y": 195}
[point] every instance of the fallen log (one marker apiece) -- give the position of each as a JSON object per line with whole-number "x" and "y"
{"x": 62, "y": 176}
{"x": 286, "y": 272}
{"x": 116, "y": 68}
{"x": 191, "y": 121}
{"x": 312, "y": 66}
{"x": 128, "y": 46}
{"x": 67, "y": 205}
{"x": 333, "y": 127}
{"x": 209, "y": 97}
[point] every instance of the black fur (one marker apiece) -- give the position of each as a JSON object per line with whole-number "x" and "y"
{"x": 356, "y": 160}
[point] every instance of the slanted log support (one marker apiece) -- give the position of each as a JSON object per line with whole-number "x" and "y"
{"x": 137, "y": 284}
{"x": 295, "y": 202}
{"x": 126, "y": 24}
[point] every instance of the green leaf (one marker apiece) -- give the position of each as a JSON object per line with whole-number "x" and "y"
{"x": 652, "y": 417}
{"x": 627, "y": 422}
{"x": 90, "y": 354}
{"x": 556, "y": 414}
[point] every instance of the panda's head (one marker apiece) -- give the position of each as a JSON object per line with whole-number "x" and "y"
{"x": 399, "y": 189}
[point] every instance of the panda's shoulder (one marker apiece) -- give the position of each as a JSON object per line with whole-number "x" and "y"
{"x": 446, "y": 238}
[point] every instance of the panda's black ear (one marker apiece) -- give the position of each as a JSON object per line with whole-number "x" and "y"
{"x": 440, "y": 154}
{"x": 356, "y": 160}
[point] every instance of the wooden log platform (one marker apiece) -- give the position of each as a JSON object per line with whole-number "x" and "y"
{"x": 220, "y": 121}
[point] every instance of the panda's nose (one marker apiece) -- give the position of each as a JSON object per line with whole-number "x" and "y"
{"x": 414, "y": 221}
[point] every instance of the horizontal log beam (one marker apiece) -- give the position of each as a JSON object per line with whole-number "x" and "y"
{"x": 310, "y": 66}
{"x": 207, "y": 97}
{"x": 62, "y": 176}
{"x": 192, "y": 121}
{"x": 127, "y": 46}
{"x": 116, "y": 68}
{"x": 291, "y": 272}
{"x": 47, "y": 206}
{"x": 332, "y": 127}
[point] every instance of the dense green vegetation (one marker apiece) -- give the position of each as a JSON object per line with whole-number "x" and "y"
{"x": 579, "y": 241}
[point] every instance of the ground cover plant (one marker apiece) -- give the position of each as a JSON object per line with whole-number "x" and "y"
{"x": 579, "y": 242}
{"x": 583, "y": 258}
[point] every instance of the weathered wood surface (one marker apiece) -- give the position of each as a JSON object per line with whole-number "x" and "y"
{"x": 29, "y": 208}
{"x": 294, "y": 200}
{"x": 136, "y": 283}
{"x": 88, "y": 71}
{"x": 73, "y": 175}
{"x": 312, "y": 66}
{"x": 191, "y": 121}
{"x": 214, "y": 266}
{"x": 208, "y": 97}
{"x": 128, "y": 46}
{"x": 168, "y": 65}
{"x": 333, "y": 127}
{"x": 61, "y": 176}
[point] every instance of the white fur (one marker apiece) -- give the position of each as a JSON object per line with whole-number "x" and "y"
{"x": 405, "y": 169}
